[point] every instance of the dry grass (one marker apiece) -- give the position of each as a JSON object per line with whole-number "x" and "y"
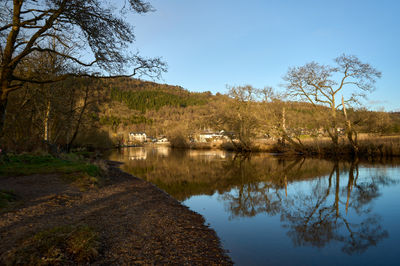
{"x": 370, "y": 146}
{"x": 57, "y": 246}
{"x": 386, "y": 146}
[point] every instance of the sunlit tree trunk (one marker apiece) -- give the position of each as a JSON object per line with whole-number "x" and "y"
{"x": 46, "y": 122}
{"x": 352, "y": 135}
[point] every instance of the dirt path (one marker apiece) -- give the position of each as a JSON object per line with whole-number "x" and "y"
{"x": 138, "y": 223}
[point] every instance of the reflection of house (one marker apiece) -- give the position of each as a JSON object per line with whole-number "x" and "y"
{"x": 137, "y": 137}
{"x": 162, "y": 151}
{"x": 135, "y": 153}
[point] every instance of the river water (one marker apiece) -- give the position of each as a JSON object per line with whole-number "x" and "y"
{"x": 269, "y": 210}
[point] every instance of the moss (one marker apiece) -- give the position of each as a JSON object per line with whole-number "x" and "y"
{"x": 57, "y": 246}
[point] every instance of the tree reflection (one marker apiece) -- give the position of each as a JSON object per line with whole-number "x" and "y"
{"x": 328, "y": 212}
{"x": 257, "y": 195}
{"x": 318, "y": 201}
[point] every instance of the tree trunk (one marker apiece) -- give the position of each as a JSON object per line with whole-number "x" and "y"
{"x": 350, "y": 132}
{"x": 298, "y": 146}
{"x": 46, "y": 122}
{"x": 3, "y": 106}
{"x": 334, "y": 134}
{"x": 283, "y": 123}
{"x": 79, "y": 121}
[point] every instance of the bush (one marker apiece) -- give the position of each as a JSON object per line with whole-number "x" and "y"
{"x": 179, "y": 141}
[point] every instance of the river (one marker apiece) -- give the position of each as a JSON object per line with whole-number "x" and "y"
{"x": 271, "y": 210}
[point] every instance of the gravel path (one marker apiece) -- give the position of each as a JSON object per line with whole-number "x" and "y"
{"x": 138, "y": 223}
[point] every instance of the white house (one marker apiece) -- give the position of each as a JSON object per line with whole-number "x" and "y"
{"x": 137, "y": 136}
{"x": 211, "y": 136}
{"x": 162, "y": 140}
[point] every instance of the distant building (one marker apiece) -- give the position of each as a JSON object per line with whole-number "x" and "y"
{"x": 162, "y": 139}
{"x": 211, "y": 136}
{"x": 137, "y": 137}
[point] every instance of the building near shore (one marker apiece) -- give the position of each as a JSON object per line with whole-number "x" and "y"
{"x": 210, "y": 136}
{"x": 162, "y": 139}
{"x": 137, "y": 137}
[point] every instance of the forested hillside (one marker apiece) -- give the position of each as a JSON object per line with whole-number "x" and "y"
{"x": 82, "y": 111}
{"x": 157, "y": 109}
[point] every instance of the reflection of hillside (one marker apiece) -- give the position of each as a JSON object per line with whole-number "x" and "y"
{"x": 187, "y": 173}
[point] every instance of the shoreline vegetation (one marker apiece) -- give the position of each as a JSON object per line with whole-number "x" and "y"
{"x": 71, "y": 210}
{"x": 369, "y": 147}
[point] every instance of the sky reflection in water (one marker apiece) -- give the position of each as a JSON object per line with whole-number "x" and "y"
{"x": 276, "y": 211}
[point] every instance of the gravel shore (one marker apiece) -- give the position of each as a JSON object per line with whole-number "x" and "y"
{"x": 138, "y": 223}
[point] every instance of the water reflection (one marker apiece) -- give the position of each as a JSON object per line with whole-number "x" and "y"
{"x": 318, "y": 218}
{"x": 139, "y": 153}
{"x": 319, "y": 202}
{"x": 207, "y": 154}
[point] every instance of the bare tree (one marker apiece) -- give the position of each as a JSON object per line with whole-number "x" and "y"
{"x": 240, "y": 116}
{"x": 322, "y": 84}
{"x": 93, "y": 31}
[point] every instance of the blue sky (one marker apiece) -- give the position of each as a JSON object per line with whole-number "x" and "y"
{"x": 209, "y": 44}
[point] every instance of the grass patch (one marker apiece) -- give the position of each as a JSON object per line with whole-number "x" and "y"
{"x": 84, "y": 153}
{"x": 7, "y": 200}
{"x": 26, "y": 164}
{"x": 57, "y": 246}
{"x": 83, "y": 181}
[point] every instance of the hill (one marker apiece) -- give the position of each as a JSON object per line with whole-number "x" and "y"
{"x": 146, "y": 95}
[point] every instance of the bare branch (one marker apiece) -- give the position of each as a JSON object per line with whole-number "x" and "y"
{"x": 63, "y": 56}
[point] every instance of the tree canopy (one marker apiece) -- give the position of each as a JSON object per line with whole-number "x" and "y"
{"x": 322, "y": 84}
{"x": 91, "y": 35}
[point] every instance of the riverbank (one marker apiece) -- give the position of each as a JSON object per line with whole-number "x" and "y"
{"x": 134, "y": 221}
{"x": 369, "y": 147}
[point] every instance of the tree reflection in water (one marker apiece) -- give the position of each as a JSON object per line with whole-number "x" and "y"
{"x": 319, "y": 217}
{"x": 318, "y": 201}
